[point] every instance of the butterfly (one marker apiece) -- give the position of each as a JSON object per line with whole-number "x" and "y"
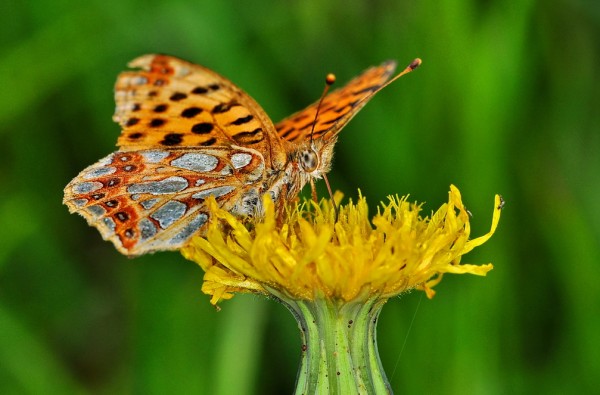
{"x": 189, "y": 133}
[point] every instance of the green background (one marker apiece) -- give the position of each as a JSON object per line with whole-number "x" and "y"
{"x": 507, "y": 101}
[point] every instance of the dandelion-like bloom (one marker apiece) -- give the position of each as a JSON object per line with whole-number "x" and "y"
{"x": 335, "y": 274}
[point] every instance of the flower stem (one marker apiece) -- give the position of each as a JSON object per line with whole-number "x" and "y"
{"x": 339, "y": 349}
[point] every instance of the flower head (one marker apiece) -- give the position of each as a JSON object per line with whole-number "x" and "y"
{"x": 307, "y": 253}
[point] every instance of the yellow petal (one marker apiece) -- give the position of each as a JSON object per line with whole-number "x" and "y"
{"x": 307, "y": 253}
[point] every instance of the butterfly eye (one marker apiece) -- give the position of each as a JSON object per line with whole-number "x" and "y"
{"x": 309, "y": 160}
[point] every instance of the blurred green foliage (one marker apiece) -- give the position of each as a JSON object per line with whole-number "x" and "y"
{"x": 507, "y": 101}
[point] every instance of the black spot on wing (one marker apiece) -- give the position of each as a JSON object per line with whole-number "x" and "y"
{"x": 287, "y": 132}
{"x": 199, "y": 90}
{"x": 368, "y": 89}
{"x": 157, "y": 122}
{"x": 351, "y": 104}
{"x": 250, "y": 137}
{"x": 135, "y": 136}
{"x": 224, "y": 107}
{"x": 191, "y": 112}
{"x": 160, "y": 108}
{"x": 132, "y": 121}
{"x": 318, "y": 133}
{"x": 331, "y": 121}
{"x": 306, "y": 125}
{"x": 177, "y": 96}
{"x": 202, "y": 128}
{"x": 209, "y": 142}
{"x": 221, "y": 108}
{"x": 243, "y": 120}
{"x": 172, "y": 139}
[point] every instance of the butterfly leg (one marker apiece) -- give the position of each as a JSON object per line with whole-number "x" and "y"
{"x": 280, "y": 205}
{"x": 313, "y": 190}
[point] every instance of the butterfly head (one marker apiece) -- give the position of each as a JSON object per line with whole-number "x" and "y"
{"x": 314, "y": 157}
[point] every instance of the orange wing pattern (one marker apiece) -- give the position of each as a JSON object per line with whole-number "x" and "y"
{"x": 172, "y": 103}
{"x": 337, "y": 108}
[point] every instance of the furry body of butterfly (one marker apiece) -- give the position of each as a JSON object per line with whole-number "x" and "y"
{"x": 189, "y": 133}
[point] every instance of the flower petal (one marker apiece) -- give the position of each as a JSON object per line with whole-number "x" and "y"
{"x": 308, "y": 254}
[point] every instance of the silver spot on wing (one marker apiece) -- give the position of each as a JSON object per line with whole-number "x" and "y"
{"x": 107, "y": 160}
{"x": 110, "y": 224}
{"x": 196, "y": 162}
{"x": 148, "y": 204}
{"x": 226, "y": 171}
{"x": 87, "y": 187}
{"x": 154, "y": 156}
{"x": 96, "y": 210}
{"x": 138, "y": 80}
{"x": 199, "y": 182}
{"x": 191, "y": 228}
{"x": 147, "y": 228}
{"x": 182, "y": 71}
{"x": 79, "y": 202}
{"x": 240, "y": 159}
{"x": 168, "y": 185}
{"x": 216, "y": 192}
{"x": 169, "y": 213}
{"x": 101, "y": 171}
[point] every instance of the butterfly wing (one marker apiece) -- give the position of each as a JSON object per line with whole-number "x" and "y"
{"x": 338, "y": 107}
{"x": 150, "y": 200}
{"x": 170, "y": 103}
{"x": 187, "y": 133}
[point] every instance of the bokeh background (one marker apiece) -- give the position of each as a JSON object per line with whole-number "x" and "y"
{"x": 507, "y": 101}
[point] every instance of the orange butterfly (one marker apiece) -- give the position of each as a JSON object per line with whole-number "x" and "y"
{"x": 189, "y": 133}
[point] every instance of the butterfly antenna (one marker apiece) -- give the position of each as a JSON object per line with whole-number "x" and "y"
{"x": 329, "y": 80}
{"x": 413, "y": 65}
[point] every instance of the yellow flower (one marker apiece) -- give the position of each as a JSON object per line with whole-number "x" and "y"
{"x": 307, "y": 254}
{"x": 335, "y": 274}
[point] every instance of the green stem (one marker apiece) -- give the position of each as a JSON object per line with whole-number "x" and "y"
{"x": 339, "y": 347}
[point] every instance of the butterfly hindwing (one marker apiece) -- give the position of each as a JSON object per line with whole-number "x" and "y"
{"x": 151, "y": 200}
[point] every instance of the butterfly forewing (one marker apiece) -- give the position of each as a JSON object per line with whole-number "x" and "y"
{"x": 337, "y": 108}
{"x": 168, "y": 102}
